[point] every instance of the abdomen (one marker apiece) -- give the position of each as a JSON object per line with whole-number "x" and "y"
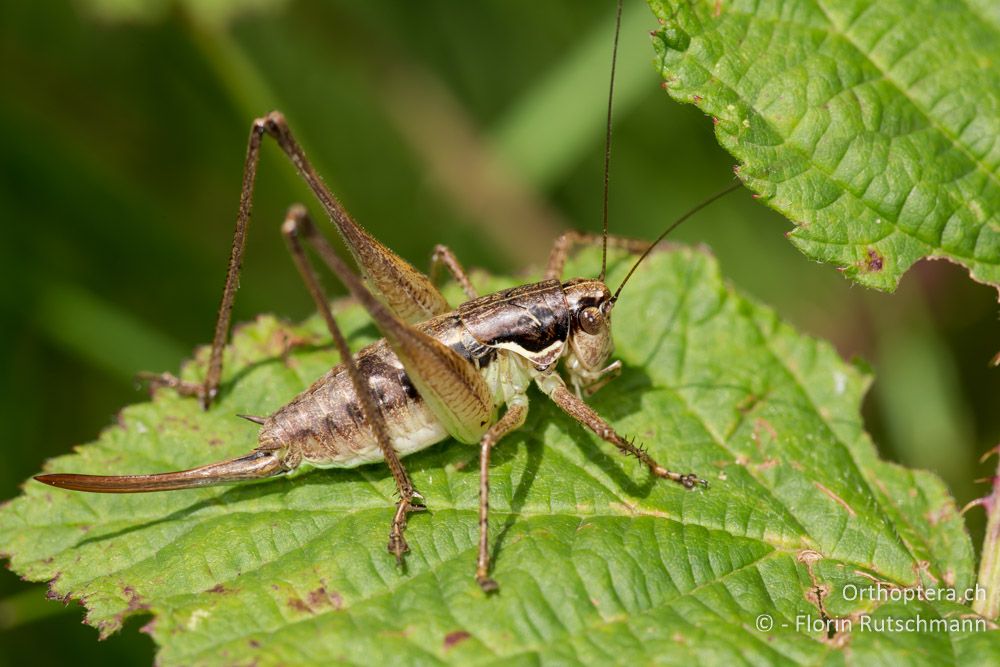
{"x": 325, "y": 425}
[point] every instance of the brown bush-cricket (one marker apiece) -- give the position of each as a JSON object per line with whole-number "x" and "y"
{"x": 438, "y": 371}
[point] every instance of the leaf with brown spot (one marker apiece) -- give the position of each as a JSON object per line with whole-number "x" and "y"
{"x": 872, "y": 125}
{"x": 453, "y": 638}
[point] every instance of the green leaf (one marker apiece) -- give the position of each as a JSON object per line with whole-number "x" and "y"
{"x": 596, "y": 561}
{"x": 872, "y": 125}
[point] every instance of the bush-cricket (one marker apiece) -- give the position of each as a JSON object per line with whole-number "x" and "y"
{"x": 437, "y": 373}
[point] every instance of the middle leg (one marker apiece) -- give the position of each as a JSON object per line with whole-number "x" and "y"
{"x": 443, "y": 256}
{"x": 513, "y": 418}
{"x": 566, "y": 241}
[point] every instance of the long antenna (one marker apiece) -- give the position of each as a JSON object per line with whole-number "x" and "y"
{"x": 607, "y": 143}
{"x": 672, "y": 227}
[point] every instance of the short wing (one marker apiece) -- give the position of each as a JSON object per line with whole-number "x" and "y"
{"x": 452, "y": 387}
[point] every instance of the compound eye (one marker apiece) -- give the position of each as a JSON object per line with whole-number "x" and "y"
{"x": 591, "y": 320}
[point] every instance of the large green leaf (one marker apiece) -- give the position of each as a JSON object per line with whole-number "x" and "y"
{"x": 874, "y": 125}
{"x": 596, "y": 561}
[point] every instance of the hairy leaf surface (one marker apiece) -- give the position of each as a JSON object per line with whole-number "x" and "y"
{"x": 873, "y": 125}
{"x": 596, "y": 561}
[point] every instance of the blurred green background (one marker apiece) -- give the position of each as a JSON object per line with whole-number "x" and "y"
{"x": 475, "y": 124}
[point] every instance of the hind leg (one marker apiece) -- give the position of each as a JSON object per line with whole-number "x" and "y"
{"x": 298, "y": 226}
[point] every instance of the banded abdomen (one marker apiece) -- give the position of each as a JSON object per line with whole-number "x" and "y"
{"x": 509, "y": 336}
{"x": 324, "y": 425}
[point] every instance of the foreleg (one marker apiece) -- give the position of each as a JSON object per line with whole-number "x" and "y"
{"x": 573, "y": 406}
